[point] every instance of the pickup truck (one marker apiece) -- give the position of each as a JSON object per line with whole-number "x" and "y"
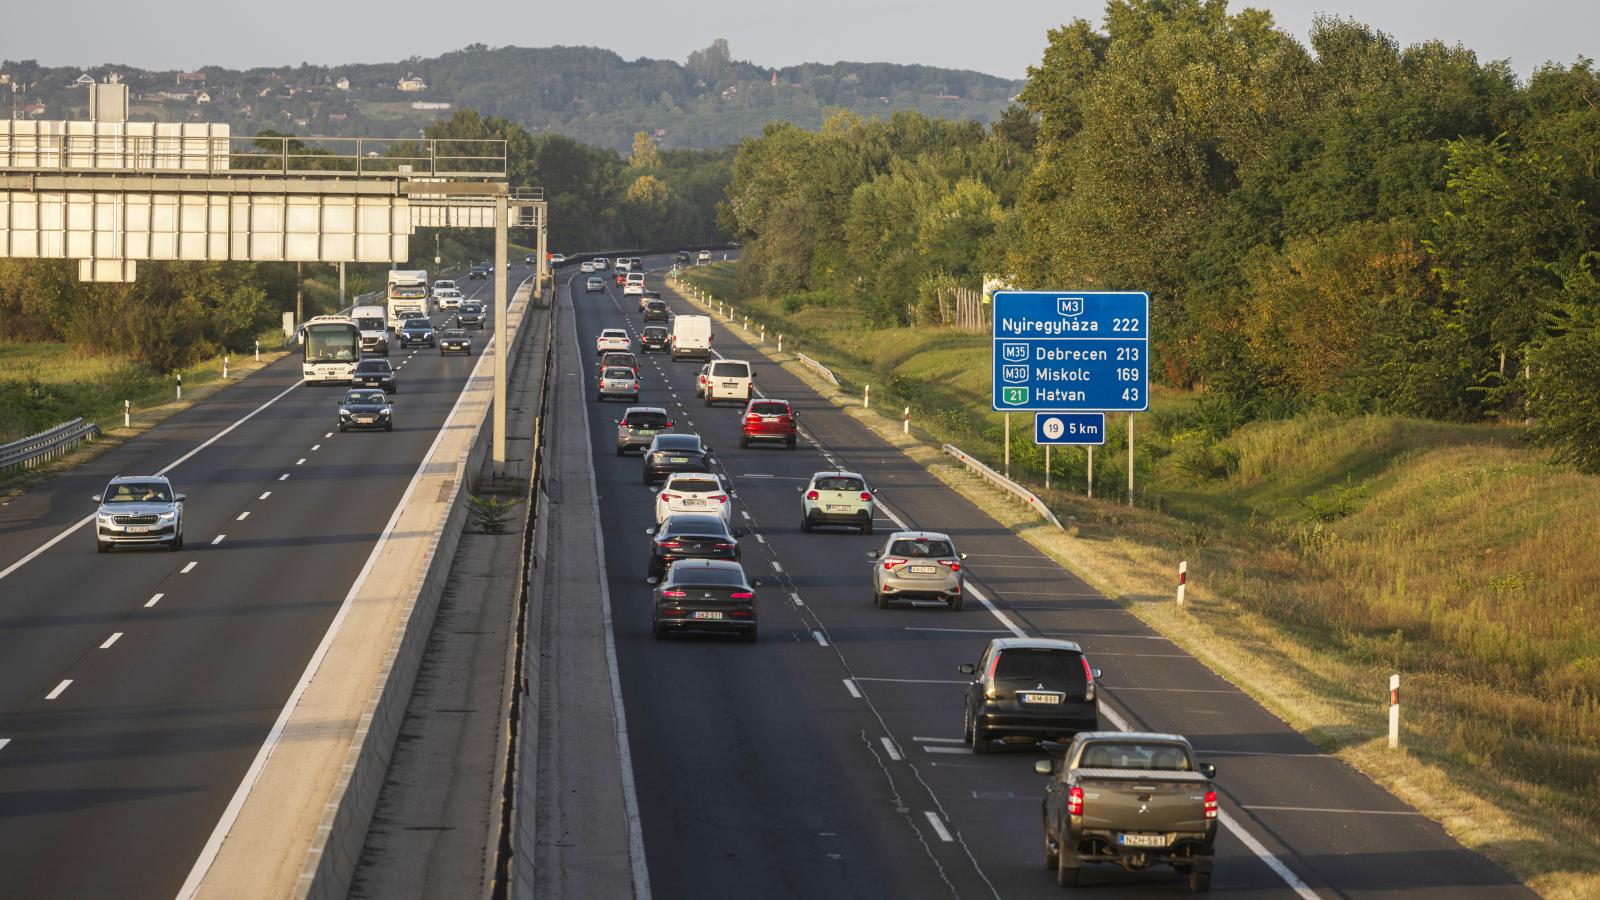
{"x": 1133, "y": 799}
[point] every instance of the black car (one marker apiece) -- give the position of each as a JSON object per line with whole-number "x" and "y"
{"x": 656, "y": 311}
{"x": 374, "y": 373}
{"x": 683, "y": 257}
{"x": 638, "y": 427}
{"x": 470, "y": 315}
{"x": 480, "y": 272}
{"x": 691, "y": 536}
{"x": 670, "y": 453}
{"x": 654, "y": 337}
{"x": 705, "y": 595}
{"x": 1029, "y": 689}
{"x": 454, "y": 340}
{"x": 366, "y": 408}
{"x": 417, "y": 331}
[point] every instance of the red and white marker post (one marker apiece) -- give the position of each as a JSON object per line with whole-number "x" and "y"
{"x": 1394, "y": 712}
{"x": 1183, "y": 581}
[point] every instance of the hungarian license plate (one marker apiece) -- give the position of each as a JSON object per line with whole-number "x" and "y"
{"x": 837, "y": 507}
{"x": 365, "y": 420}
{"x": 705, "y": 614}
{"x": 730, "y": 384}
{"x": 769, "y": 418}
{"x": 137, "y": 529}
{"x": 647, "y": 431}
{"x": 924, "y": 570}
{"x": 1142, "y": 840}
{"x": 693, "y": 501}
{"x": 1047, "y": 699}
{"x": 678, "y": 459}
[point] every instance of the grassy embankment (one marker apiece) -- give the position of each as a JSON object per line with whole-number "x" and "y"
{"x": 1324, "y": 553}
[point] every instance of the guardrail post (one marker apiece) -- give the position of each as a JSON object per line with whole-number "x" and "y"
{"x": 127, "y": 414}
{"x": 1394, "y": 712}
{"x": 258, "y": 351}
{"x": 905, "y": 421}
{"x": 1183, "y": 580}
{"x": 180, "y": 386}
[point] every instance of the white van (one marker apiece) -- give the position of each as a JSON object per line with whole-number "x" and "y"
{"x": 691, "y": 336}
{"x": 634, "y": 285}
{"x": 730, "y": 379}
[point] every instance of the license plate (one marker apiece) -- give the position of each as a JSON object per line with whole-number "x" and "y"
{"x": 678, "y": 459}
{"x": 924, "y": 570}
{"x": 837, "y": 507}
{"x": 693, "y": 502}
{"x": 769, "y": 418}
{"x": 1142, "y": 840}
{"x": 647, "y": 431}
{"x": 137, "y": 529}
{"x": 365, "y": 420}
{"x": 705, "y": 614}
{"x": 1047, "y": 699}
{"x": 730, "y": 384}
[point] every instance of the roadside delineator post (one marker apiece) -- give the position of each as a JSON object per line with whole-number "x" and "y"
{"x": 258, "y": 351}
{"x": 1183, "y": 581}
{"x": 866, "y": 397}
{"x": 224, "y": 367}
{"x": 780, "y": 343}
{"x": 180, "y": 385}
{"x": 1394, "y": 712}
{"x": 127, "y": 414}
{"x": 905, "y": 421}
{"x": 763, "y": 334}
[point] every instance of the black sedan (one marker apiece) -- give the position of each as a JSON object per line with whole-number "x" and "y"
{"x": 470, "y": 315}
{"x": 670, "y": 453}
{"x": 691, "y": 536}
{"x": 374, "y": 373}
{"x": 417, "y": 331}
{"x": 709, "y": 595}
{"x": 654, "y": 337}
{"x": 454, "y": 340}
{"x": 366, "y": 408}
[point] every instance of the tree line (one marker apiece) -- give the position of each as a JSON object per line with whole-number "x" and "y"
{"x": 1350, "y": 225}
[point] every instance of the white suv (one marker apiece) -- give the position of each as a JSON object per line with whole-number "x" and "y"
{"x": 634, "y": 285}
{"x": 612, "y": 339}
{"x": 729, "y": 379}
{"x": 692, "y": 492}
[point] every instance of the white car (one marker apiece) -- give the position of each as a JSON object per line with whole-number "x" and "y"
{"x": 594, "y": 285}
{"x": 692, "y": 492}
{"x": 557, "y": 259}
{"x": 612, "y": 339}
{"x": 444, "y": 284}
{"x": 729, "y": 379}
{"x": 601, "y": 264}
{"x": 634, "y": 284}
{"x": 448, "y": 299}
{"x": 586, "y": 266}
{"x": 703, "y": 257}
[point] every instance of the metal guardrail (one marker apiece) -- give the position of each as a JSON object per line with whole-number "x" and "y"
{"x": 1005, "y": 483}
{"x": 47, "y": 445}
{"x": 819, "y": 368}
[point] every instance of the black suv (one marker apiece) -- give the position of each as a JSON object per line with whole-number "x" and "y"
{"x": 470, "y": 315}
{"x": 691, "y": 536}
{"x": 655, "y": 311}
{"x": 683, "y": 256}
{"x": 670, "y": 453}
{"x": 416, "y": 331}
{"x": 375, "y": 373}
{"x": 1029, "y": 689}
{"x": 654, "y": 337}
{"x": 638, "y": 427}
{"x": 481, "y": 271}
{"x": 705, "y": 595}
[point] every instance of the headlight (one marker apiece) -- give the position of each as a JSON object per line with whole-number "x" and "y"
{"x": 169, "y": 516}
{"x": 343, "y": 411}
{"x": 105, "y": 518}
{"x": 386, "y": 410}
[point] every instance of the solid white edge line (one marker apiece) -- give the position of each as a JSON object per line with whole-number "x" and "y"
{"x": 115, "y": 636}
{"x": 630, "y": 795}
{"x": 891, "y": 749}
{"x": 213, "y": 845}
{"x": 944, "y": 833}
{"x": 59, "y": 689}
{"x": 169, "y": 467}
{"x": 850, "y": 685}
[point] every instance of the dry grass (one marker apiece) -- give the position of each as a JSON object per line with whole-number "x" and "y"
{"x": 1335, "y": 552}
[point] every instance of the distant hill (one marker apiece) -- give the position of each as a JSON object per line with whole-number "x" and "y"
{"x": 590, "y": 94}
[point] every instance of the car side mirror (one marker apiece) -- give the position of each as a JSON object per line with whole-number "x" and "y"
{"x": 739, "y": 533}
{"x": 616, "y": 421}
{"x": 652, "y": 580}
{"x": 651, "y": 530}
{"x": 962, "y": 555}
{"x": 1207, "y": 769}
{"x": 756, "y": 582}
{"x": 968, "y": 669}
{"x": 180, "y": 497}
{"x": 872, "y": 554}
{"x": 655, "y": 489}
{"x": 1044, "y": 767}
{"x": 710, "y": 452}
{"x": 1096, "y": 674}
{"x": 96, "y": 498}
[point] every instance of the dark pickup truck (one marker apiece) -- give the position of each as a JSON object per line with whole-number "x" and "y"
{"x": 1132, "y": 799}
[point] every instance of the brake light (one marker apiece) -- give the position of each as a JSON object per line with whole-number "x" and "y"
{"x": 1211, "y": 804}
{"x": 740, "y": 613}
{"x": 670, "y": 544}
{"x": 1075, "y": 801}
{"x": 674, "y": 594}
{"x": 893, "y": 561}
{"x": 667, "y": 496}
{"x": 720, "y": 498}
{"x": 1088, "y": 672}
{"x": 864, "y": 495}
{"x": 994, "y": 663}
{"x": 752, "y": 417}
{"x": 741, "y": 595}
{"x": 811, "y": 495}
{"x": 722, "y": 545}
{"x": 950, "y": 564}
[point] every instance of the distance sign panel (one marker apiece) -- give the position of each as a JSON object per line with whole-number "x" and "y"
{"x": 1071, "y": 429}
{"x": 1066, "y": 351}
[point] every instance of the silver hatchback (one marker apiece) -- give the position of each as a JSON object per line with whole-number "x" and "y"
{"x": 139, "y": 510}
{"x": 917, "y": 565}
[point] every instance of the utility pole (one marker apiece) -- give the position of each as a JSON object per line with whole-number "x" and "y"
{"x": 299, "y": 299}
{"x": 502, "y": 348}
{"x": 341, "y": 285}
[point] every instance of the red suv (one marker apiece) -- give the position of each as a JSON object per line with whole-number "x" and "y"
{"x": 768, "y": 420}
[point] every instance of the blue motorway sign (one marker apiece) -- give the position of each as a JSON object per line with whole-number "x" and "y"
{"x": 1075, "y": 429}
{"x": 1071, "y": 350}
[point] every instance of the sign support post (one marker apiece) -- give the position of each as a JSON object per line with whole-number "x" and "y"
{"x": 1008, "y": 445}
{"x": 1047, "y": 467}
{"x": 1130, "y": 459}
{"x": 1091, "y": 473}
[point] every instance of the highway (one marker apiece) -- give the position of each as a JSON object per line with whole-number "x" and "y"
{"x": 826, "y": 760}
{"x": 137, "y": 687}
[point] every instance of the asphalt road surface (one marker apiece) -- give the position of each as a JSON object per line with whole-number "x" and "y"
{"x": 826, "y": 760}
{"x": 136, "y": 687}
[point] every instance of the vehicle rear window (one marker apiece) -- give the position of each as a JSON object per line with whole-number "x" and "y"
{"x": 678, "y": 441}
{"x": 1055, "y": 669}
{"x": 655, "y": 331}
{"x": 613, "y": 333}
{"x": 618, "y": 372}
{"x": 769, "y": 408}
{"x": 700, "y": 525}
{"x": 709, "y": 576}
{"x": 645, "y": 418}
{"x": 1133, "y": 755}
{"x": 695, "y": 485}
{"x": 925, "y": 549}
{"x": 730, "y": 370}
{"x": 838, "y": 483}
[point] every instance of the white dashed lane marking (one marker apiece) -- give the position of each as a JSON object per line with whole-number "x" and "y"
{"x": 850, "y": 685}
{"x": 284, "y": 477}
{"x": 115, "y": 636}
{"x": 59, "y": 689}
{"x": 891, "y": 749}
{"x": 217, "y": 540}
{"x": 242, "y": 516}
{"x": 938, "y": 826}
{"x": 153, "y": 600}
{"x": 300, "y": 462}
{"x": 187, "y": 569}
{"x": 264, "y": 495}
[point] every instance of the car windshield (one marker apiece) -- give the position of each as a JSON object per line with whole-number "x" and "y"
{"x": 138, "y": 492}
{"x": 730, "y": 370}
{"x": 619, "y": 372}
{"x": 646, "y": 419}
{"x": 1132, "y": 755}
{"x": 838, "y": 483}
{"x": 707, "y": 576}
{"x": 655, "y": 331}
{"x": 700, "y": 485}
{"x": 418, "y": 324}
{"x": 364, "y": 397}
{"x": 769, "y": 408}
{"x": 924, "y": 549}
{"x": 367, "y": 366}
{"x": 470, "y": 308}
{"x": 711, "y": 526}
{"x": 656, "y": 306}
{"x": 678, "y": 442}
{"x": 455, "y": 333}
{"x": 1055, "y": 669}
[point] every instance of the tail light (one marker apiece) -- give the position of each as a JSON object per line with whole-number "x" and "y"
{"x": 720, "y": 498}
{"x": 951, "y": 564}
{"x": 674, "y": 594}
{"x": 671, "y": 544}
{"x": 811, "y": 495}
{"x": 1075, "y": 801}
{"x": 741, "y": 595}
{"x": 1088, "y": 671}
{"x": 723, "y": 545}
{"x": 864, "y": 495}
{"x": 893, "y": 561}
{"x": 1211, "y": 804}
{"x": 739, "y": 613}
{"x": 667, "y": 496}
{"x": 752, "y": 417}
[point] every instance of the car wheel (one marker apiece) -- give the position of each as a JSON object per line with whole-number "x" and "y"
{"x": 866, "y": 527}
{"x": 343, "y": 429}
{"x": 1052, "y": 859}
{"x": 708, "y": 399}
{"x": 101, "y": 546}
{"x": 744, "y": 442}
{"x": 980, "y": 741}
{"x": 966, "y": 724}
{"x": 955, "y": 604}
{"x": 805, "y": 524}
{"x": 1199, "y": 882}
{"x": 879, "y": 600}
{"x": 178, "y": 544}
{"x": 1066, "y": 876}
{"x": 620, "y": 451}
{"x": 791, "y": 443}
{"x": 647, "y": 478}
{"x": 660, "y": 631}
{"x": 388, "y": 426}
{"x": 749, "y": 637}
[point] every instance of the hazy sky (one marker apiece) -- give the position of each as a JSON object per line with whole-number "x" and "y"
{"x": 1001, "y": 37}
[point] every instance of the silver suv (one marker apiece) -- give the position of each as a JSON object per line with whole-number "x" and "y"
{"x": 917, "y": 565}
{"x": 139, "y": 509}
